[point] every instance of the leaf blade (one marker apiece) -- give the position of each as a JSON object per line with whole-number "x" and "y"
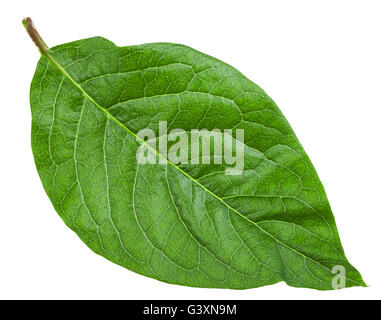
{"x": 154, "y": 88}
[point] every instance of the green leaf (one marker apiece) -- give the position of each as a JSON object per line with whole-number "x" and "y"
{"x": 188, "y": 224}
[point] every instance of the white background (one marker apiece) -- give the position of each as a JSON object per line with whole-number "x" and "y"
{"x": 319, "y": 60}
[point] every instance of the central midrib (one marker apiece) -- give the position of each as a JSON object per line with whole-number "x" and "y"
{"x": 110, "y": 116}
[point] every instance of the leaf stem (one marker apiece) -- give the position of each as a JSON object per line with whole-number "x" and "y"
{"x": 34, "y": 35}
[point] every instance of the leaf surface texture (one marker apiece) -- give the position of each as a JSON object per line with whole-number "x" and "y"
{"x": 183, "y": 224}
